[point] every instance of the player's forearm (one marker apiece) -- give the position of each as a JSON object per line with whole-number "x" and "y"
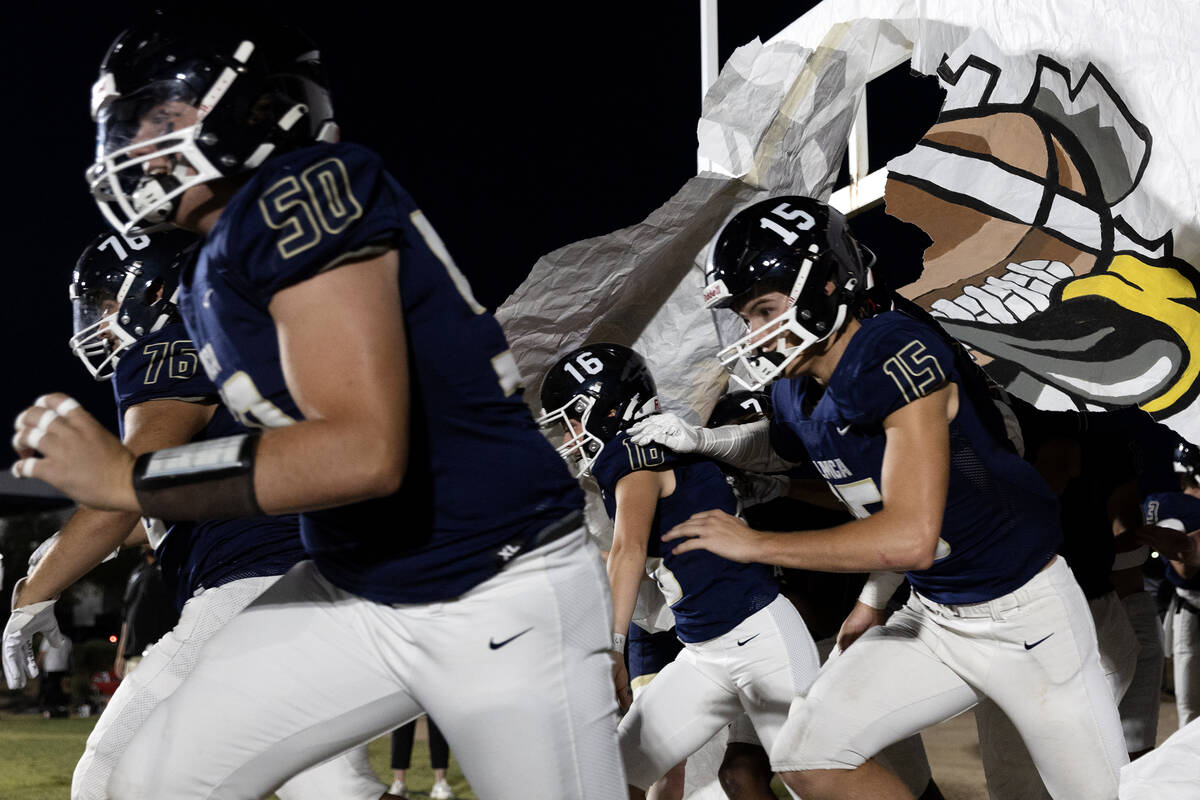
{"x": 122, "y": 639}
{"x": 747, "y": 446}
{"x": 322, "y": 464}
{"x": 85, "y": 541}
{"x": 626, "y": 565}
{"x": 138, "y": 536}
{"x": 863, "y": 545}
{"x": 1186, "y": 569}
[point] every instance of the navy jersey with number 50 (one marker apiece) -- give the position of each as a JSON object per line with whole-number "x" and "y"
{"x": 709, "y": 595}
{"x": 1185, "y": 508}
{"x": 195, "y": 555}
{"x": 1001, "y": 523}
{"x": 481, "y": 480}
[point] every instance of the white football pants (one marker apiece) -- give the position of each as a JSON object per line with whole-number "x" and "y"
{"x": 1032, "y": 651}
{"x": 756, "y": 669}
{"x": 516, "y": 672}
{"x": 1172, "y": 772}
{"x": 1182, "y": 629}
{"x": 166, "y": 665}
{"x": 906, "y": 758}
{"x": 1007, "y": 764}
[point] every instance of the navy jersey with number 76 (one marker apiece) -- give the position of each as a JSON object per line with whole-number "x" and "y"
{"x": 208, "y": 553}
{"x": 481, "y": 480}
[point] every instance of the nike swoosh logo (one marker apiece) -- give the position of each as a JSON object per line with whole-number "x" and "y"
{"x": 1029, "y": 646}
{"x": 743, "y": 641}
{"x": 843, "y": 431}
{"x": 497, "y": 645}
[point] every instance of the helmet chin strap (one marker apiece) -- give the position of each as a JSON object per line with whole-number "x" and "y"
{"x": 150, "y": 198}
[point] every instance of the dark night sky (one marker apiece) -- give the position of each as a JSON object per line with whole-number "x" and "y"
{"x": 517, "y": 130}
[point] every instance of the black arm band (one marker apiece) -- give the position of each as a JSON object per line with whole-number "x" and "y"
{"x": 202, "y": 480}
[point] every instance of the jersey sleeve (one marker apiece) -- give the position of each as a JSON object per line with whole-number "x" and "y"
{"x": 1152, "y": 509}
{"x": 899, "y": 362}
{"x": 621, "y": 457}
{"x": 335, "y": 205}
{"x": 1163, "y": 507}
{"x": 161, "y": 366}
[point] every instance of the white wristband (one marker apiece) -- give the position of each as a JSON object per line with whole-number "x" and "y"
{"x": 879, "y": 589}
{"x": 618, "y": 643}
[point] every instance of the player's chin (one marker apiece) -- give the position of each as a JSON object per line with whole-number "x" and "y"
{"x": 799, "y": 366}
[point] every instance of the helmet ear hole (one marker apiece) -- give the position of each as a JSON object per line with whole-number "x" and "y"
{"x": 153, "y": 292}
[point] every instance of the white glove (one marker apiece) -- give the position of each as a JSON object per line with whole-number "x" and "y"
{"x": 17, "y": 655}
{"x": 668, "y": 430}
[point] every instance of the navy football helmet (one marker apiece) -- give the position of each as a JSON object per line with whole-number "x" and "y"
{"x": 182, "y": 100}
{"x": 122, "y": 289}
{"x": 802, "y": 248}
{"x": 594, "y": 393}
{"x": 738, "y": 407}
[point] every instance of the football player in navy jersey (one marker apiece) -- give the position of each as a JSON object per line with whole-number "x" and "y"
{"x": 1173, "y": 529}
{"x": 127, "y": 329}
{"x": 1179, "y": 513}
{"x": 449, "y": 568}
{"x": 746, "y": 649}
{"x": 879, "y": 406}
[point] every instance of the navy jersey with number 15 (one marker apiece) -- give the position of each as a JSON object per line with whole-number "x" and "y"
{"x": 200, "y": 555}
{"x": 1001, "y": 522}
{"x": 481, "y": 480}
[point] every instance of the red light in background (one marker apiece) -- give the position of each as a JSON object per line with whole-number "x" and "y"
{"x": 112, "y": 639}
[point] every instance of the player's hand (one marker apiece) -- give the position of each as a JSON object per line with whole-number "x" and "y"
{"x": 620, "y": 677}
{"x": 16, "y": 651}
{"x": 860, "y": 620}
{"x": 78, "y": 456}
{"x": 669, "y": 430}
{"x": 1175, "y": 545}
{"x": 717, "y": 532}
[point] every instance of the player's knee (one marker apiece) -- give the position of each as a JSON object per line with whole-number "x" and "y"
{"x": 745, "y": 771}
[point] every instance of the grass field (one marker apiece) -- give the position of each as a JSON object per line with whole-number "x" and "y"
{"x": 38, "y": 755}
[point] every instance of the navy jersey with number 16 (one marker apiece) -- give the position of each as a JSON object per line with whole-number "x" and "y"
{"x": 709, "y": 595}
{"x": 481, "y": 480}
